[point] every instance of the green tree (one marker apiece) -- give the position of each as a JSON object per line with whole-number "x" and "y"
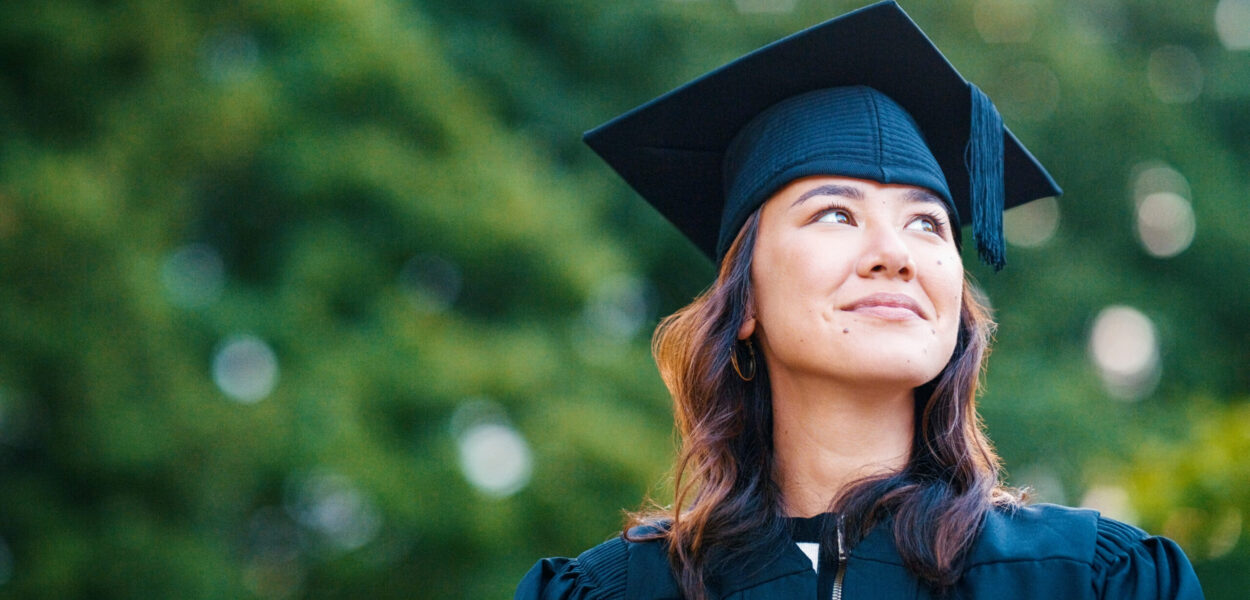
{"x": 326, "y": 299}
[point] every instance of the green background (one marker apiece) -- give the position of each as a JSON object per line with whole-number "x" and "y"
{"x": 277, "y": 278}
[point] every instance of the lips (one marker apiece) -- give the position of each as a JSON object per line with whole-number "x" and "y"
{"x": 891, "y": 307}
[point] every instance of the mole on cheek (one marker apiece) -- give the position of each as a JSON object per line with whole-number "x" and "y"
{"x": 846, "y": 330}
{"x": 939, "y": 262}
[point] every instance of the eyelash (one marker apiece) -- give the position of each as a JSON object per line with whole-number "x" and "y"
{"x": 940, "y": 223}
{"x": 832, "y": 208}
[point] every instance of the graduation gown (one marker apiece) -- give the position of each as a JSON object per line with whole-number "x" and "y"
{"x": 1044, "y": 551}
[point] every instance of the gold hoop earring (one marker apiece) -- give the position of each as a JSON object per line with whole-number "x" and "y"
{"x": 733, "y": 359}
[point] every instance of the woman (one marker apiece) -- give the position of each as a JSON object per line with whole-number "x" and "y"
{"x": 824, "y": 386}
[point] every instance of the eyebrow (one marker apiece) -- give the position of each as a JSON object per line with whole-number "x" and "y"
{"x": 831, "y": 189}
{"x": 916, "y": 195}
{"x": 854, "y": 193}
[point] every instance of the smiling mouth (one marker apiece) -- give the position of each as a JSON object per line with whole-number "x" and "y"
{"x": 891, "y": 307}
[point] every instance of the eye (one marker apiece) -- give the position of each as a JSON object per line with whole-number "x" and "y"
{"x": 927, "y": 224}
{"x": 835, "y": 214}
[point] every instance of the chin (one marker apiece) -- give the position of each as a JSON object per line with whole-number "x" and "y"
{"x": 911, "y": 368}
{"x": 898, "y": 374}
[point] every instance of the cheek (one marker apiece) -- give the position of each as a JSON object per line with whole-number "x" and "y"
{"x": 794, "y": 272}
{"x": 790, "y": 296}
{"x": 948, "y": 260}
{"x": 775, "y": 292}
{"x": 818, "y": 263}
{"x": 945, "y": 285}
{"x": 953, "y": 306}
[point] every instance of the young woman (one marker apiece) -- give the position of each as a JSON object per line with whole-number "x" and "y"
{"x": 824, "y": 386}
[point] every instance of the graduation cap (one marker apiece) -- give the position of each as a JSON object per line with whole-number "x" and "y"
{"x": 863, "y": 95}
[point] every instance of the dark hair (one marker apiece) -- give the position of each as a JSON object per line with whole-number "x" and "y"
{"x": 726, "y": 498}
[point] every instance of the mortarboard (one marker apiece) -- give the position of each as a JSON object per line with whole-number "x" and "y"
{"x": 863, "y": 95}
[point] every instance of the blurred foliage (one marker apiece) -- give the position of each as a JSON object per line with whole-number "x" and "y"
{"x": 274, "y": 275}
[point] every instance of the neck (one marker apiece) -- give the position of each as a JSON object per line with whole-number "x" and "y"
{"x": 827, "y": 436}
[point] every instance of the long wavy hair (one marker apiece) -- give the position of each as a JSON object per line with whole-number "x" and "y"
{"x": 726, "y": 497}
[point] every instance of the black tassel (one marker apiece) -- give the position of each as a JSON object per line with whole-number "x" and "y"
{"x": 984, "y": 159}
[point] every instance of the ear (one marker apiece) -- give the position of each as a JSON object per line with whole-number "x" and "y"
{"x": 748, "y": 325}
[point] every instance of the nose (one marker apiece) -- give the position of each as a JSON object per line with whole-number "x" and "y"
{"x": 885, "y": 254}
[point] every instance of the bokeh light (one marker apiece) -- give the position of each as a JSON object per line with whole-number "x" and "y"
{"x": 432, "y": 283}
{"x": 193, "y": 275}
{"x": 1232, "y": 23}
{"x": 1110, "y": 500}
{"x": 1155, "y": 176}
{"x": 1033, "y": 224}
{"x": 1225, "y": 534}
{"x": 245, "y": 368}
{"x": 1005, "y": 21}
{"x": 1165, "y": 224}
{"x": 494, "y": 457}
{"x": 334, "y": 507}
{"x": 1125, "y": 349}
{"x": 1174, "y": 74}
{"x": 1043, "y": 483}
{"x": 618, "y": 306}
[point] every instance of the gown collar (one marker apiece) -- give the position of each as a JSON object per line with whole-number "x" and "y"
{"x": 780, "y": 558}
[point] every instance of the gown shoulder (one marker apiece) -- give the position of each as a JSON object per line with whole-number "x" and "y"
{"x": 1129, "y": 563}
{"x": 633, "y": 565}
{"x": 1076, "y": 553}
{"x": 599, "y": 573}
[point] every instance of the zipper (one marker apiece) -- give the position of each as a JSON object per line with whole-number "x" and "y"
{"x": 837, "y": 580}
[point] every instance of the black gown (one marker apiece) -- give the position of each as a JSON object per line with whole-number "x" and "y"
{"x": 1044, "y": 551}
